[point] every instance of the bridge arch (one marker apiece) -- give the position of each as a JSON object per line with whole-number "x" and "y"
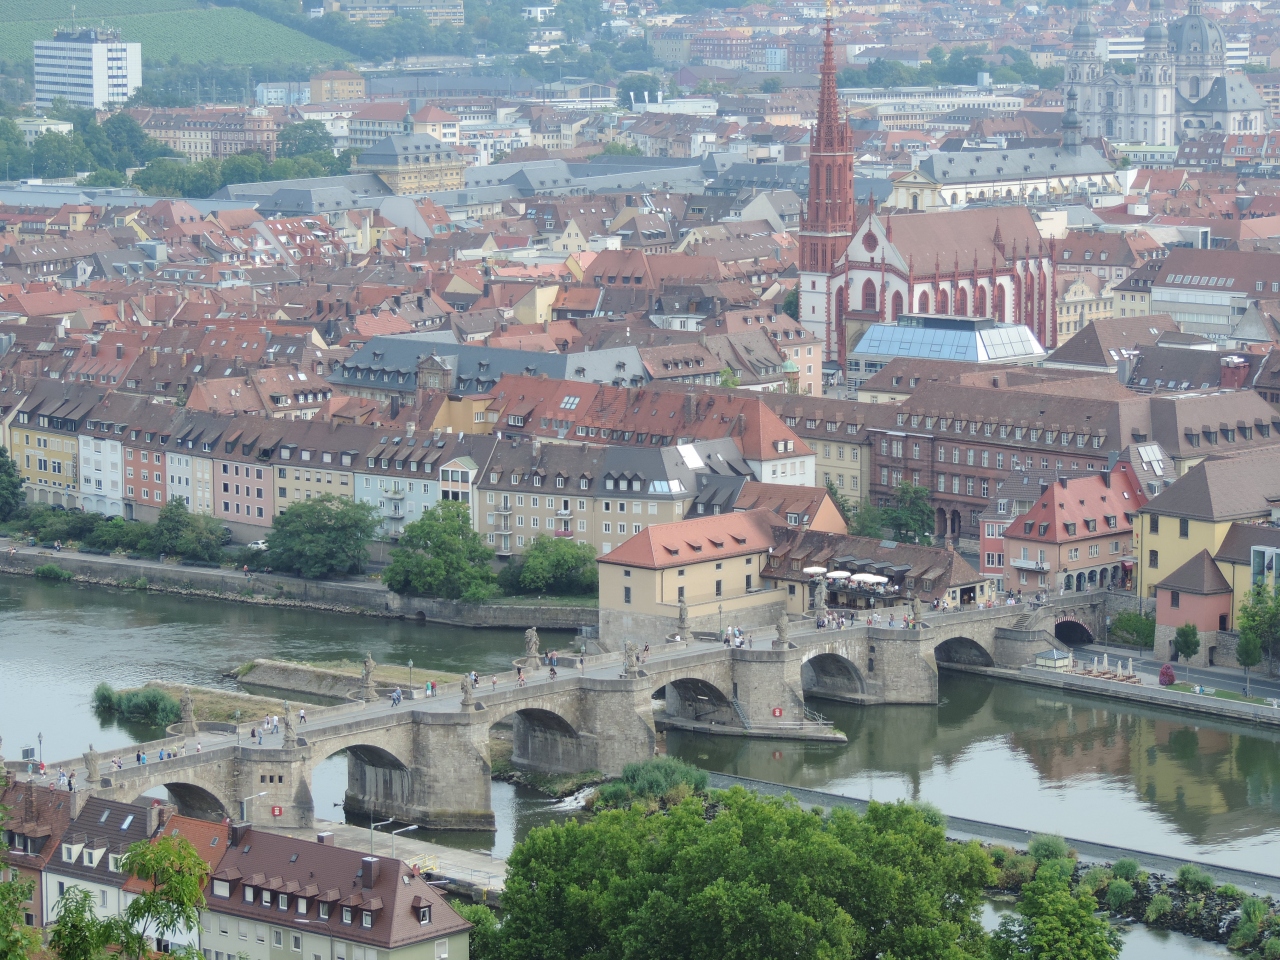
{"x": 193, "y": 800}
{"x": 963, "y": 650}
{"x": 833, "y": 677}
{"x": 1072, "y": 632}
{"x": 544, "y": 739}
{"x": 378, "y": 780}
{"x": 698, "y": 700}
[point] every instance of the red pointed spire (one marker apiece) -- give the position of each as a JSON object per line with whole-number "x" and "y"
{"x": 831, "y": 212}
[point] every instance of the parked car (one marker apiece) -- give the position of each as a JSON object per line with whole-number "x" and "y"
{"x": 258, "y": 545}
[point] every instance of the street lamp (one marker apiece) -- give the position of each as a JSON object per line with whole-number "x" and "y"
{"x": 410, "y": 677}
{"x": 412, "y": 826}
{"x": 372, "y": 825}
{"x": 720, "y": 608}
{"x": 319, "y": 923}
{"x": 237, "y": 716}
{"x": 244, "y": 804}
{"x": 40, "y": 737}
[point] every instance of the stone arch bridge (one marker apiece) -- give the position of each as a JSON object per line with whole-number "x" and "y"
{"x": 428, "y": 762}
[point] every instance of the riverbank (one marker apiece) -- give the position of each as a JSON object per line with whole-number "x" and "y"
{"x": 355, "y": 597}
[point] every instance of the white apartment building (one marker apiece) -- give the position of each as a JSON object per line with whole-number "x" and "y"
{"x": 90, "y": 67}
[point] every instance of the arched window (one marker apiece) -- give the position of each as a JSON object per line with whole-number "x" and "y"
{"x": 962, "y": 302}
{"x": 915, "y": 201}
{"x": 1195, "y": 87}
{"x": 869, "y": 295}
{"x": 943, "y": 301}
{"x": 924, "y": 301}
{"x": 828, "y": 181}
{"x": 1111, "y": 128}
{"x": 997, "y": 304}
{"x": 955, "y": 198}
{"x": 842, "y": 300}
{"x": 897, "y": 306}
{"x": 980, "y": 302}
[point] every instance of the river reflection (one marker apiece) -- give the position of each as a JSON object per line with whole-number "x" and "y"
{"x": 1019, "y": 755}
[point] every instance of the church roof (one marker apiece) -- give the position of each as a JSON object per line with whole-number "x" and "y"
{"x": 1196, "y": 35}
{"x": 1231, "y": 93}
{"x": 984, "y": 166}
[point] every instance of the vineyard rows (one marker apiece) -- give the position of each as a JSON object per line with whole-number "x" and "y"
{"x": 192, "y": 34}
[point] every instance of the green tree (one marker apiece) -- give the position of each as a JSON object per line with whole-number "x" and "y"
{"x": 247, "y": 167}
{"x": 744, "y": 876}
{"x": 1258, "y": 623}
{"x": 616, "y": 148}
{"x": 869, "y": 521}
{"x": 171, "y": 526}
{"x": 17, "y": 940}
{"x": 638, "y": 83}
{"x": 771, "y": 85}
{"x": 911, "y": 516}
{"x": 1052, "y": 923}
{"x": 310, "y": 136}
{"x": 558, "y": 565}
{"x": 323, "y": 537}
{"x": 728, "y": 378}
{"x": 60, "y": 155}
{"x": 791, "y": 303}
{"x": 78, "y": 933}
{"x": 486, "y": 938}
{"x": 177, "y": 875}
{"x": 11, "y": 495}
{"x": 1186, "y": 641}
{"x": 842, "y": 504}
{"x": 441, "y": 556}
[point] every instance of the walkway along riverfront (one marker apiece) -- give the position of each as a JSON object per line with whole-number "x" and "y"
{"x": 427, "y": 761}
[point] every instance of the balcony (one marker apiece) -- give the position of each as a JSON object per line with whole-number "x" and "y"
{"x": 563, "y": 533}
{"x": 504, "y": 508}
{"x": 393, "y": 494}
{"x": 1037, "y": 566}
{"x": 564, "y": 513}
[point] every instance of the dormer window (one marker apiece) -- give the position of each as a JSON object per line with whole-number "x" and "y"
{"x": 323, "y": 910}
{"x": 266, "y": 898}
{"x": 248, "y": 894}
{"x": 366, "y": 918}
{"x": 346, "y": 914}
{"x": 424, "y": 915}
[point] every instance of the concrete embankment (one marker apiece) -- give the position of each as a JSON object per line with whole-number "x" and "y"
{"x": 359, "y": 597}
{"x": 962, "y": 829}
{"x": 1146, "y": 693}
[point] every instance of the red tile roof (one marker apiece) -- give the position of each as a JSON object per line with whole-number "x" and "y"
{"x": 698, "y": 540}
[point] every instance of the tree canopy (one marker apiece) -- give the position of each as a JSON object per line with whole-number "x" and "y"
{"x": 1186, "y": 641}
{"x": 735, "y": 876}
{"x": 439, "y": 555}
{"x": 322, "y": 537}
{"x": 1053, "y": 923}
{"x": 11, "y": 496}
{"x": 1259, "y": 626}
{"x": 556, "y": 565}
{"x": 911, "y": 516}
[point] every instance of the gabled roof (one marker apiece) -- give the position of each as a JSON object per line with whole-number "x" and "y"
{"x": 1243, "y": 487}
{"x": 1199, "y": 575}
{"x": 698, "y": 540}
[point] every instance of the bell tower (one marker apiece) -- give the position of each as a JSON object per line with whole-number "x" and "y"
{"x": 829, "y": 217}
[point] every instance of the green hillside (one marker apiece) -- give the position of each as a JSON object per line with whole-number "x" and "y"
{"x": 166, "y": 29}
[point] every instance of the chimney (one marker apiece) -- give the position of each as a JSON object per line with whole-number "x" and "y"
{"x": 119, "y": 351}
{"x": 371, "y": 872}
{"x": 1234, "y": 372}
{"x": 157, "y": 815}
{"x": 1044, "y": 487}
{"x": 93, "y": 349}
{"x": 395, "y": 407}
{"x": 1122, "y": 370}
{"x": 325, "y": 839}
{"x": 1063, "y": 481}
{"x": 1106, "y": 478}
{"x": 236, "y": 832}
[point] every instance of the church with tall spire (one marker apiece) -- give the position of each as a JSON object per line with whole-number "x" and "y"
{"x": 830, "y": 215}
{"x": 1180, "y": 88}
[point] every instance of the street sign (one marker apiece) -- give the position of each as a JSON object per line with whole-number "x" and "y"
{"x": 277, "y": 811}
{"x": 777, "y": 711}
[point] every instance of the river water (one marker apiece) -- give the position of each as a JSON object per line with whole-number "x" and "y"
{"x": 993, "y": 750}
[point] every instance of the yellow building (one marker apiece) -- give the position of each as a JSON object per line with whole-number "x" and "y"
{"x": 339, "y": 85}
{"x": 714, "y": 565}
{"x": 1084, "y": 298}
{"x": 834, "y": 430}
{"x": 1197, "y": 511}
{"x": 315, "y": 458}
{"x": 413, "y": 163}
{"x": 44, "y": 441}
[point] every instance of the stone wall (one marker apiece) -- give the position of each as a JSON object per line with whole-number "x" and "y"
{"x": 1217, "y": 648}
{"x": 617, "y": 626}
{"x": 357, "y": 596}
{"x": 300, "y": 679}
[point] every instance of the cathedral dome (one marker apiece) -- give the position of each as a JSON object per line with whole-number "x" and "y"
{"x": 1195, "y": 35}
{"x": 1085, "y": 34}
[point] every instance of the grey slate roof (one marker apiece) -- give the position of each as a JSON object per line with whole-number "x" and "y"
{"x": 337, "y": 193}
{"x": 1242, "y": 487}
{"x": 478, "y": 368}
{"x": 977, "y": 166}
{"x": 1199, "y": 575}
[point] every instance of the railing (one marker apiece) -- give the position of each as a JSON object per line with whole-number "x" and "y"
{"x": 742, "y": 714}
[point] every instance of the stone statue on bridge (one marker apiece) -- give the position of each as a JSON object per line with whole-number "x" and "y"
{"x": 188, "y": 705}
{"x": 531, "y": 648}
{"x": 784, "y": 631}
{"x": 290, "y": 736}
{"x": 468, "y": 695}
{"x": 631, "y": 659}
{"x": 92, "y": 773}
{"x": 683, "y": 626}
{"x": 367, "y": 691}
